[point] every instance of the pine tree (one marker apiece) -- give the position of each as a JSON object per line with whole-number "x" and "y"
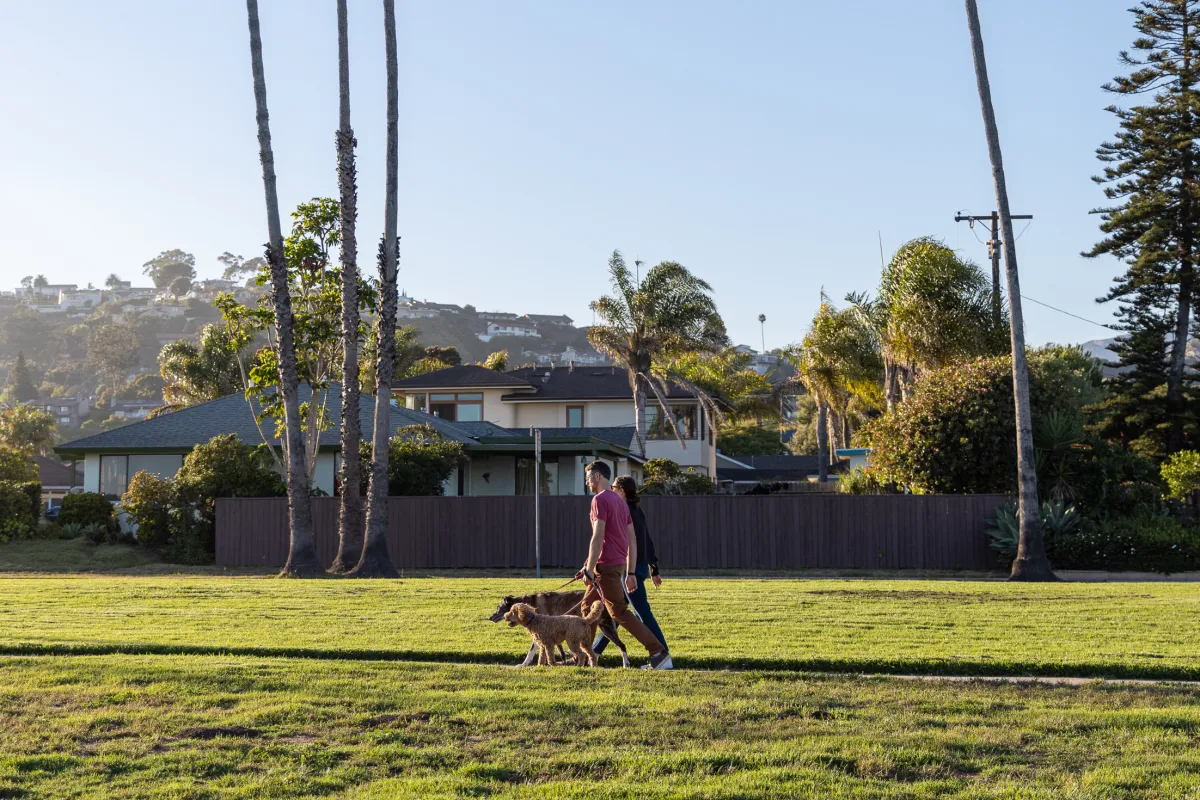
{"x": 1150, "y": 178}
{"x": 21, "y": 382}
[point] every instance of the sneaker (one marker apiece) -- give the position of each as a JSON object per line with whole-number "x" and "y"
{"x": 660, "y": 661}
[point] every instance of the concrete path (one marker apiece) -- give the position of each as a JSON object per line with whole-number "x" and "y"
{"x": 1044, "y": 681}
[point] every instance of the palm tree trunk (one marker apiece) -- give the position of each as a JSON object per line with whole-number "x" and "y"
{"x": 822, "y": 441}
{"x": 639, "y": 415}
{"x": 891, "y": 384}
{"x": 375, "y": 561}
{"x": 302, "y": 556}
{"x": 1031, "y": 563}
{"x": 350, "y": 521}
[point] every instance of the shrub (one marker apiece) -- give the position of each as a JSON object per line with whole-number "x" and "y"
{"x": 1145, "y": 542}
{"x": 148, "y": 502}
{"x": 224, "y": 467}
{"x": 192, "y": 538}
{"x": 751, "y": 440}
{"x": 664, "y": 476}
{"x": 32, "y": 492}
{"x": 15, "y": 519}
{"x": 954, "y": 434}
{"x": 16, "y": 466}
{"x": 1181, "y": 472}
{"x": 86, "y": 508}
{"x": 860, "y": 480}
{"x": 1058, "y": 520}
{"x": 419, "y": 461}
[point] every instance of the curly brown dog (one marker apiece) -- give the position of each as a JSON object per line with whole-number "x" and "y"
{"x": 548, "y": 631}
{"x": 555, "y": 603}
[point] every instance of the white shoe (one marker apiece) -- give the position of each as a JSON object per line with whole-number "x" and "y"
{"x": 660, "y": 661}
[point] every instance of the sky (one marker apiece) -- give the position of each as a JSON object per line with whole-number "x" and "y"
{"x": 768, "y": 145}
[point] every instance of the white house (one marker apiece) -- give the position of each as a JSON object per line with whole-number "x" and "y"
{"x": 495, "y": 329}
{"x": 79, "y": 298}
{"x": 564, "y": 397}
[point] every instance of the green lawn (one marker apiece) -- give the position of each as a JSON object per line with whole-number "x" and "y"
{"x": 239, "y": 727}
{"x": 948, "y": 627}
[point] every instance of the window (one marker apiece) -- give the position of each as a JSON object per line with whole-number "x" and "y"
{"x": 114, "y": 476}
{"x": 460, "y": 407}
{"x": 525, "y": 471}
{"x": 64, "y": 409}
{"x": 162, "y": 466}
{"x": 65, "y": 420}
{"x": 419, "y": 402}
{"x": 115, "y": 471}
{"x": 658, "y": 428}
{"x": 574, "y": 416}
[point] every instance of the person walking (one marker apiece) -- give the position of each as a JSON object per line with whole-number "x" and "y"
{"x": 611, "y": 564}
{"x": 647, "y": 563}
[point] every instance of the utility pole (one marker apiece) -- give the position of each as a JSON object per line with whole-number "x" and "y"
{"x": 994, "y": 248}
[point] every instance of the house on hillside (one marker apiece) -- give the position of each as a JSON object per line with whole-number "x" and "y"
{"x": 499, "y": 460}
{"x": 559, "y": 320}
{"x": 495, "y": 329}
{"x": 563, "y": 397}
{"x": 68, "y": 412}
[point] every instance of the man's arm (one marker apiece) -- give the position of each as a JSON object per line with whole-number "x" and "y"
{"x": 596, "y": 545}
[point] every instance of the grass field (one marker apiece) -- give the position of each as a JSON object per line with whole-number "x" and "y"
{"x": 948, "y": 627}
{"x": 209, "y": 686}
{"x": 241, "y": 727}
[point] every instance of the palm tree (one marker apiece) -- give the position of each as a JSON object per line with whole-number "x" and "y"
{"x": 838, "y": 362}
{"x": 647, "y": 323}
{"x": 112, "y": 281}
{"x": 302, "y": 556}
{"x": 1031, "y": 563}
{"x": 350, "y": 513}
{"x": 933, "y": 308}
{"x": 40, "y": 282}
{"x": 199, "y": 372}
{"x": 375, "y": 561}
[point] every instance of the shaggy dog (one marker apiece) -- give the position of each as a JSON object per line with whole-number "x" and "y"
{"x": 549, "y": 631}
{"x": 556, "y": 604}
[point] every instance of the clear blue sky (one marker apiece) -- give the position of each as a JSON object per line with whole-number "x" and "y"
{"x": 762, "y": 144}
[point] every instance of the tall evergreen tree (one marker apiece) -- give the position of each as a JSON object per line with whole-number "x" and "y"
{"x": 21, "y": 381}
{"x": 1151, "y": 183}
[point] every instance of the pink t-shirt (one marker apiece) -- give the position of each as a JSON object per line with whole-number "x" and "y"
{"x": 609, "y": 507}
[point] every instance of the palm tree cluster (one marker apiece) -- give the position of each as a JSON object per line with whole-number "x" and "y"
{"x": 933, "y": 308}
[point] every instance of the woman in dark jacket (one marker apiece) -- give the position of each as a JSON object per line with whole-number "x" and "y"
{"x": 647, "y": 563}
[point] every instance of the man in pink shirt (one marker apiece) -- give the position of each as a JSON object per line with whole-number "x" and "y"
{"x": 612, "y": 560}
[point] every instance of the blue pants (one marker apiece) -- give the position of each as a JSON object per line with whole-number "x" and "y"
{"x": 641, "y": 604}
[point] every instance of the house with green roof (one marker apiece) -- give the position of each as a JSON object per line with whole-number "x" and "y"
{"x": 499, "y": 460}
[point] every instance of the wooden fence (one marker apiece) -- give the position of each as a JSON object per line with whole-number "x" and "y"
{"x": 813, "y": 531}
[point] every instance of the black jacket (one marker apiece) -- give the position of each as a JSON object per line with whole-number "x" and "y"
{"x": 645, "y": 545}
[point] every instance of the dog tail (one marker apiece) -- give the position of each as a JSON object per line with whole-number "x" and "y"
{"x": 593, "y": 616}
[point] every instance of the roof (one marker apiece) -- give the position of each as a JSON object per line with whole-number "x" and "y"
{"x": 774, "y": 468}
{"x": 468, "y": 376}
{"x": 56, "y": 473}
{"x": 580, "y": 383}
{"x": 184, "y": 429}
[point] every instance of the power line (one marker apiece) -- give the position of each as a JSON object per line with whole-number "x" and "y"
{"x": 1068, "y": 313}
